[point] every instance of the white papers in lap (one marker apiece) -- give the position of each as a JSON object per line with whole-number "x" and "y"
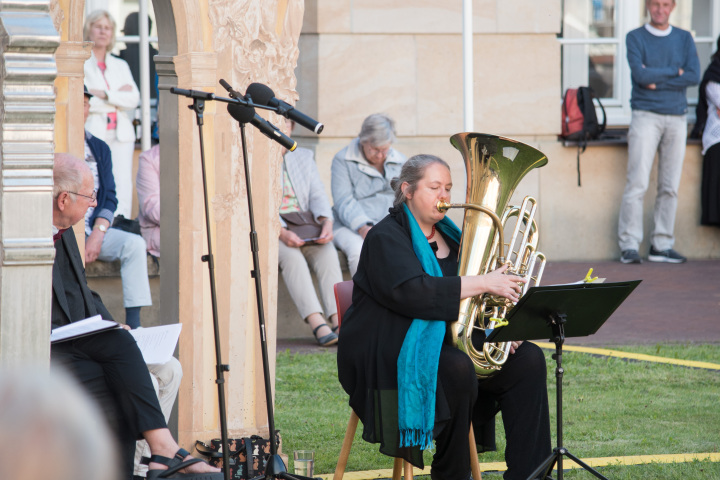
{"x": 81, "y": 328}
{"x": 157, "y": 344}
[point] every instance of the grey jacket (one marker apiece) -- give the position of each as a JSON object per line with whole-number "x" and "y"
{"x": 306, "y": 183}
{"x": 361, "y": 193}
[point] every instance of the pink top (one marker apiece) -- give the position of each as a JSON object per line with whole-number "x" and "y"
{"x": 111, "y": 116}
{"x": 148, "y": 190}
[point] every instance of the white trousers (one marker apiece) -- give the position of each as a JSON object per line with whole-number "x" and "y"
{"x": 166, "y": 381}
{"x": 350, "y": 243}
{"x": 295, "y": 265}
{"x": 122, "y": 160}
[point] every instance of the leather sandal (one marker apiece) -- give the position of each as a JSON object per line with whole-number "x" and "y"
{"x": 326, "y": 340}
{"x": 176, "y": 464}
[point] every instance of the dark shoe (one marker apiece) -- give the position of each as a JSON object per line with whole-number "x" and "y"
{"x": 666, "y": 256}
{"x": 335, "y": 329}
{"x": 178, "y": 463}
{"x": 630, "y": 256}
{"x": 326, "y": 340}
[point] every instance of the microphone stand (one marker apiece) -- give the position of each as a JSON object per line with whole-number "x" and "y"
{"x": 198, "y": 106}
{"x": 275, "y": 467}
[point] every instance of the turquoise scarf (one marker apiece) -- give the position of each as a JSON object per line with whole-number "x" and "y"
{"x": 417, "y": 364}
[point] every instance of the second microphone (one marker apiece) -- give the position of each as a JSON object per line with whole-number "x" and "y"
{"x": 245, "y": 114}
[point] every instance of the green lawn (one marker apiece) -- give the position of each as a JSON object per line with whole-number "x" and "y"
{"x": 612, "y": 407}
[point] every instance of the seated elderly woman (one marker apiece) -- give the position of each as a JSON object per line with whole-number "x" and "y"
{"x": 407, "y": 384}
{"x": 304, "y": 193}
{"x": 360, "y": 183}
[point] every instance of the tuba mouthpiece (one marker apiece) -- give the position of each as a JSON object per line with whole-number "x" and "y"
{"x": 443, "y": 206}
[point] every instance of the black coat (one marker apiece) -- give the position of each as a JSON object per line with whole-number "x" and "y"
{"x": 390, "y": 290}
{"x": 67, "y": 253}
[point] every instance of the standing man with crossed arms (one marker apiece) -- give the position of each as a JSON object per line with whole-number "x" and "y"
{"x": 663, "y": 62}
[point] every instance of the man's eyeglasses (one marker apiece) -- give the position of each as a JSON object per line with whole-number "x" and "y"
{"x": 92, "y": 197}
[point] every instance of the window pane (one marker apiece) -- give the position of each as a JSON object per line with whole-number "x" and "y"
{"x": 694, "y": 16}
{"x": 704, "y": 49}
{"x": 601, "y": 69}
{"x": 592, "y": 65}
{"x": 589, "y": 19}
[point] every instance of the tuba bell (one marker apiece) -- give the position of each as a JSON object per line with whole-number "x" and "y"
{"x": 495, "y": 166}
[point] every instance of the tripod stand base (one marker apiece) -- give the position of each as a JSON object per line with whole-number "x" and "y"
{"x": 543, "y": 471}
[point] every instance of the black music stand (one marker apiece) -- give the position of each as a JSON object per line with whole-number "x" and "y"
{"x": 557, "y": 312}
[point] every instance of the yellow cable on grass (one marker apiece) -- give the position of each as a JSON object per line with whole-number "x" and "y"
{"x": 633, "y": 356}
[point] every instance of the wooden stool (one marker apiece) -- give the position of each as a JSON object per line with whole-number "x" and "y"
{"x": 399, "y": 465}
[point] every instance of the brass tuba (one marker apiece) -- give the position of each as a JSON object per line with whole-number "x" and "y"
{"x": 495, "y": 166}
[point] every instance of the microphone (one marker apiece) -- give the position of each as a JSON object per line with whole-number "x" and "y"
{"x": 192, "y": 93}
{"x": 233, "y": 93}
{"x": 263, "y": 95}
{"x": 245, "y": 114}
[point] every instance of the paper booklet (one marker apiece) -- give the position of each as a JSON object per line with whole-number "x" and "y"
{"x": 82, "y": 328}
{"x": 157, "y": 344}
{"x": 588, "y": 279}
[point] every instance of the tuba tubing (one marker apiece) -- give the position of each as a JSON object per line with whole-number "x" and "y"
{"x": 494, "y": 166}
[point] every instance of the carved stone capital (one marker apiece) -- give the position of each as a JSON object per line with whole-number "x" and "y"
{"x": 70, "y": 58}
{"x": 196, "y": 69}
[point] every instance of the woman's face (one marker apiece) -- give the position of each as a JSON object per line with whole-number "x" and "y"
{"x": 435, "y": 185}
{"x": 101, "y": 32}
{"x": 375, "y": 155}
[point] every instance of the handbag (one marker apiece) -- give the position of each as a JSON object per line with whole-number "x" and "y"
{"x": 126, "y": 225}
{"x": 247, "y": 456}
{"x": 303, "y": 224}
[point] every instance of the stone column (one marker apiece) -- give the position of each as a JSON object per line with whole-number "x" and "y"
{"x": 28, "y": 41}
{"x": 241, "y": 42}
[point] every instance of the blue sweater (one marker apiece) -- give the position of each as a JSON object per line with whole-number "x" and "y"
{"x": 106, "y": 199}
{"x": 657, "y": 60}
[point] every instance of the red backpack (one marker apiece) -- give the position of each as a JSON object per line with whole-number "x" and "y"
{"x": 579, "y": 121}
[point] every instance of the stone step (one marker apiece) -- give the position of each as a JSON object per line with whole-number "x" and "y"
{"x": 104, "y": 278}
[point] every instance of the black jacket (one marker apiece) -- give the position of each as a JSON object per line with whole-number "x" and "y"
{"x": 66, "y": 250}
{"x": 390, "y": 290}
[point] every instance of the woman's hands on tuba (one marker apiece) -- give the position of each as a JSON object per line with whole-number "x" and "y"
{"x": 496, "y": 283}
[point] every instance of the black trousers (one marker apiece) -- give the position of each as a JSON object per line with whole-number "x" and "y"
{"x": 111, "y": 368}
{"x": 710, "y": 187}
{"x": 519, "y": 390}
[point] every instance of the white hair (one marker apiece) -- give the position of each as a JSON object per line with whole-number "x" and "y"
{"x": 49, "y": 428}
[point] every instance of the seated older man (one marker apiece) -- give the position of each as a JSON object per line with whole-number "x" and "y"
{"x": 108, "y": 364}
{"x": 360, "y": 184}
{"x": 110, "y": 244}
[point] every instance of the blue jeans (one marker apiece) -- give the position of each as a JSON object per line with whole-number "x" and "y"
{"x": 665, "y": 135}
{"x": 130, "y": 249}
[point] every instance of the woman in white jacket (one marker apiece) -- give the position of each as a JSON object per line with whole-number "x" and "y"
{"x": 116, "y": 96}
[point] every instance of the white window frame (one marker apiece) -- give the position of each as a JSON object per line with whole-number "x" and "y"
{"x": 628, "y": 17}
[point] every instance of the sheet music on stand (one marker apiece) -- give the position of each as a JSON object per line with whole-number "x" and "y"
{"x": 591, "y": 302}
